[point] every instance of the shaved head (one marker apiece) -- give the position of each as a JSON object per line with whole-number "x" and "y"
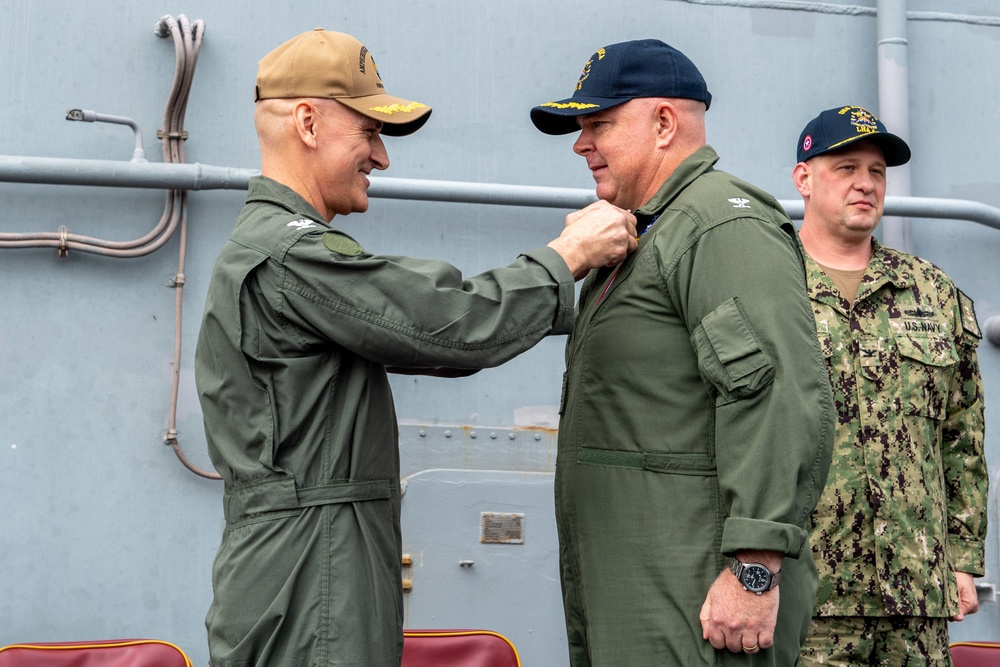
{"x": 273, "y": 121}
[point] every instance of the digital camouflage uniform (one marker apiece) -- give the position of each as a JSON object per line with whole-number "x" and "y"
{"x": 905, "y": 503}
{"x": 299, "y": 326}
{"x": 696, "y": 421}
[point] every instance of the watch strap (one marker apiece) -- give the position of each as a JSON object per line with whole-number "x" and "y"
{"x": 736, "y": 566}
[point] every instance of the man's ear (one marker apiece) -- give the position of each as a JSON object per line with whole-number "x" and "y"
{"x": 305, "y": 116}
{"x": 666, "y": 123}
{"x": 802, "y": 177}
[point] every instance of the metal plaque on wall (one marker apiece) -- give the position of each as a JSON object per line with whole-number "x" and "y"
{"x": 501, "y": 528}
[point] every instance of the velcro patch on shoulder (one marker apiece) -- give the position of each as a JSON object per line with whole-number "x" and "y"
{"x": 342, "y": 245}
{"x": 969, "y": 321}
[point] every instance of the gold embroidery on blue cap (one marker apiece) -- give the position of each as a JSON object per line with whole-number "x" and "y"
{"x": 569, "y": 105}
{"x": 864, "y": 121}
{"x": 584, "y": 74}
{"x": 586, "y": 68}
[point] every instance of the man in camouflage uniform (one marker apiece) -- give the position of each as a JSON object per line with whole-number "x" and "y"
{"x": 899, "y": 531}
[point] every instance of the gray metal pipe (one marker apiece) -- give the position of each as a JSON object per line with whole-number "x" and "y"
{"x": 480, "y": 193}
{"x": 894, "y": 107}
{"x": 992, "y": 329}
{"x": 921, "y": 207}
{"x": 844, "y": 10}
{"x": 113, "y": 173}
{"x": 88, "y": 116}
{"x": 156, "y": 175}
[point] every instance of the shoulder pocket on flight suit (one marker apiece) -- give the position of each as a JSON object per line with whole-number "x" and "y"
{"x": 730, "y": 356}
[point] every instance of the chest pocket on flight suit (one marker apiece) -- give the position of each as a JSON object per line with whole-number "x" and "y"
{"x": 923, "y": 370}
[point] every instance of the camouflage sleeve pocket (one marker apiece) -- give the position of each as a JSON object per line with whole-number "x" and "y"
{"x": 730, "y": 356}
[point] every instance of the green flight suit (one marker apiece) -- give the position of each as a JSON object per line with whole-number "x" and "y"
{"x": 299, "y": 326}
{"x": 696, "y": 421}
{"x": 905, "y": 504}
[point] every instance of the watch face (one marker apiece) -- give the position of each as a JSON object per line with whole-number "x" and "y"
{"x": 755, "y": 577}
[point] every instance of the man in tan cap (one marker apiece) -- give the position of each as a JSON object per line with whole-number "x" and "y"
{"x": 300, "y": 324}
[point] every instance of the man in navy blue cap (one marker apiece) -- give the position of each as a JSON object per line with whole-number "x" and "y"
{"x": 696, "y": 420}
{"x": 899, "y": 530}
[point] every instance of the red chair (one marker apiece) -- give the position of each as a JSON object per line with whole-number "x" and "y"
{"x": 975, "y": 654}
{"x": 458, "y": 648}
{"x": 101, "y": 653}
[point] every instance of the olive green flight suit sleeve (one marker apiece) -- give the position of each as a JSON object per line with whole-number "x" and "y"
{"x": 406, "y": 312}
{"x": 741, "y": 288}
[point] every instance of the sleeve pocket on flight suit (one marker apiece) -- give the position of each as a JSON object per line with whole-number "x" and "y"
{"x": 730, "y": 356}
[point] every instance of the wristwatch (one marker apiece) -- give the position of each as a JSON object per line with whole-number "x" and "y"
{"x": 755, "y": 577}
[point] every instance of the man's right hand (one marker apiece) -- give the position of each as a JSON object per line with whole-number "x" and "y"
{"x": 968, "y": 599}
{"x": 596, "y": 236}
{"x": 736, "y": 619}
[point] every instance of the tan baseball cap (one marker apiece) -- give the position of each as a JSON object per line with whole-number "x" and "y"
{"x": 336, "y": 66}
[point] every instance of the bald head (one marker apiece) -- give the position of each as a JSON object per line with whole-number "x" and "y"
{"x": 288, "y": 131}
{"x": 272, "y": 119}
{"x": 283, "y": 123}
{"x": 689, "y": 135}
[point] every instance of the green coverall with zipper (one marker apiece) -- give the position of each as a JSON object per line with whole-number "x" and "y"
{"x": 299, "y": 326}
{"x": 696, "y": 421}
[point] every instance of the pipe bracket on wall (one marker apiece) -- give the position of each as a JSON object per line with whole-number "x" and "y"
{"x": 87, "y": 116}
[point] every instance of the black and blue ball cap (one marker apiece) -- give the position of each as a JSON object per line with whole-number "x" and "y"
{"x": 621, "y": 72}
{"x": 840, "y": 127}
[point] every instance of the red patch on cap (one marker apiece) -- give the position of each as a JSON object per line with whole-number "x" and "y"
{"x": 807, "y": 143}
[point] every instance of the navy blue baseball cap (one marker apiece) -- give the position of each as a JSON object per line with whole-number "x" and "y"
{"x": 621, "y": 72}
{"x": 838, "y": 128}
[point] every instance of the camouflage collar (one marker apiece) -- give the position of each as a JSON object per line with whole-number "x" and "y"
{"x": 891, "y": 265}
{"x": 885, "y": 266}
